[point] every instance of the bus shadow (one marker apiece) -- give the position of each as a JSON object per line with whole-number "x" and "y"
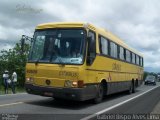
{"x": 65, "y": 104}
{"x": 74, "y": 105}
{"x": 118, "y": 95}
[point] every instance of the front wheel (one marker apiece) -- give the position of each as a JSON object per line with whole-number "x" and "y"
{"x": 100, "y": 92}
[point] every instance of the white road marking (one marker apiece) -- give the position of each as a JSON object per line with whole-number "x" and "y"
{"x": 13, "y": 94}
{"x": 3, "y": 105}
{"x": 116, "y": 105}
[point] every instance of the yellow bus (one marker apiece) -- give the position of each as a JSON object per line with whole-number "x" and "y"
{"x": 79, "y": 61}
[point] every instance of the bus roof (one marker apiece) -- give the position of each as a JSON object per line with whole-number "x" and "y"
{"x": 60, "y": 25}
{"x": 101, "y": 31}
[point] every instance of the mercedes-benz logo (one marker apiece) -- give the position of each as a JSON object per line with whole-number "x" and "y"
{"x": 48, "y": 82}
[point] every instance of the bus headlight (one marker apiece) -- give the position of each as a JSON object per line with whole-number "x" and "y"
{"x": 69, "y": 83}
{"x": 78, "y": 84}
{"x": 74, "y": 83}
{"x": 30, "y": 80}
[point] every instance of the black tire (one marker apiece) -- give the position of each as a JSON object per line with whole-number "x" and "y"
{"x": 132, "y": 88}
{"x": 57, "y": 99}
{"x": 136, "y": 85}
{"x": 100, "y": 94}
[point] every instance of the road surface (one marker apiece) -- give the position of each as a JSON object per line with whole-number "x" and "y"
{"x": 25, "y": 106}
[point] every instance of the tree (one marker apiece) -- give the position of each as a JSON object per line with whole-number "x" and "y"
{"x": 145, "y": 75}
{"x": 15, "y": 60}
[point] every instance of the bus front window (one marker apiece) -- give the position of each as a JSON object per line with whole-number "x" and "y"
{"x": 58, "y": 46}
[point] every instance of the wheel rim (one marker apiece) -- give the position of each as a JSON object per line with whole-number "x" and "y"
{"x": 99, "y": 95}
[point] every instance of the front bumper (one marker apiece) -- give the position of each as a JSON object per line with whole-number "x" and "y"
{"x": 77, "y": 94}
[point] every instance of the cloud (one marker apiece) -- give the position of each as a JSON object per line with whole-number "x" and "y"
{"x": 135, "y": 22}
{"x": 140, "y": 36}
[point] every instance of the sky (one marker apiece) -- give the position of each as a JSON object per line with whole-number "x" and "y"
{"x": 136, "y": 22}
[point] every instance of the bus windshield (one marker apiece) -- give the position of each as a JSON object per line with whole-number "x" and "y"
{"x": 61, "y": 46}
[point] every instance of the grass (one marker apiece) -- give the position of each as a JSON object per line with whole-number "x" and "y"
{"x": 18, "y": 90}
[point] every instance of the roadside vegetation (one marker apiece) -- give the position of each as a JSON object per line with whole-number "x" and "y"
{"x": 149, "y": 73}
{"x": 14, "y": 60}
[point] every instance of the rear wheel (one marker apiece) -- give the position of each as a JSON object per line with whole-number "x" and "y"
{"x": 136, "y": 85}
{"x": 133, "y": 87}
{"x": 130, "y": 89}
{"x": 100, "y": 93}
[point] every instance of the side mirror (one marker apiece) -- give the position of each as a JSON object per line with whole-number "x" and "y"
{"x": 23, "y": 40}
{"x": 89, "y": 60}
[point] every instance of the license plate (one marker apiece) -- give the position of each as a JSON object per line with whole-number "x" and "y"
{"x": 48, "y": 94}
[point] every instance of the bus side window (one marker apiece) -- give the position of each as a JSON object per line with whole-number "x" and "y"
{"x": 113, "y": 50}
{"x": 91, "y": 47}
{"x": 128, "y": 56}
{"x": 103, "y": 42}
{"x": 133, "y": 58}
{"x": 142, "y": 62}
{"x": 137, "y": 59}
{"x": 121, "y": 53}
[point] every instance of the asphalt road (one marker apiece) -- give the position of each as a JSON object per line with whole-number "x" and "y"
{"x": 25, "y": 106}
